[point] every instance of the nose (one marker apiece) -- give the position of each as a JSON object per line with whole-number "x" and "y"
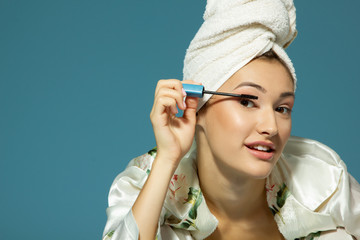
{"x": 267, "y": 124}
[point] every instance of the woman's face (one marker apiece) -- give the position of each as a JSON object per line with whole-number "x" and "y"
{"x": 244, "y": 136}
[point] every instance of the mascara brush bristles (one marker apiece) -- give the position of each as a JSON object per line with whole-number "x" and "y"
{"x": 231, "y": 94}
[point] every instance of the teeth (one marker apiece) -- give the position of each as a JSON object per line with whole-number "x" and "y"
{"x": 261, "y": 148}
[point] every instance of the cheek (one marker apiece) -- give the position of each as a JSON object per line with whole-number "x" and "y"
{"x": 284, "y": 131}
{"x": 286, "y": 128}
{"x": 228, "y": 123}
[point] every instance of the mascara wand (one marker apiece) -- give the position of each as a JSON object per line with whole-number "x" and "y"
{"x": 193, "y": 90}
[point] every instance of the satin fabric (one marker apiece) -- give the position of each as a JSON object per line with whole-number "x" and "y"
{"x": 310, "y": 192}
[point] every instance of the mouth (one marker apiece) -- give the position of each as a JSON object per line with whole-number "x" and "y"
{"x": 264, "y": 151}
{"x": 261, "y": 148}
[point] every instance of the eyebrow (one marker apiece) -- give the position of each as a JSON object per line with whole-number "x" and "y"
{"x": 287, "y": 94}
{"x": 260, "y": 88}
{"x": 250, "y": 84}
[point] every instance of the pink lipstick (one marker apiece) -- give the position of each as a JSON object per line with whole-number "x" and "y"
{"x": 262, "y": 150}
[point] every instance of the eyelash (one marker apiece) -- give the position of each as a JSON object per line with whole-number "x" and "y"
{"x": 244, "y": 102}
{"x": 286, "y": 108}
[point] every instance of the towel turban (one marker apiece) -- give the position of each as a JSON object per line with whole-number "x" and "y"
{"x": 233, "y": 33}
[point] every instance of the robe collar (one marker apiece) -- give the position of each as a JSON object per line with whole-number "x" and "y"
{"x": 294, "y": 191}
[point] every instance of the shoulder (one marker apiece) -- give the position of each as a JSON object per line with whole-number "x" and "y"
{"x": 316, "y": 176}
{"x": 298, "y": 147}
{"x": 310, "y": 184}
{"x": 129, "y": 182}
{"x": 145, "y": 161}
{"x": 311, "y": 170}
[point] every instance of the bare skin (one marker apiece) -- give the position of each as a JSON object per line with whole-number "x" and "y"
{"x": 174, "y": 137}
{"x": 231, "y": 178}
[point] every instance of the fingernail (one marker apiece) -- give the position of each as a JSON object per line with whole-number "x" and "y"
{"x": 184, "y": 104}
{"x": 183, "y": 92}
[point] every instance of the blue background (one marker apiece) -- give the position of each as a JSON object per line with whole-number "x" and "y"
{"x": 76, "y": 88}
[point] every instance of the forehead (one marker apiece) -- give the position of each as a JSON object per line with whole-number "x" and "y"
{"x": 268, "y": 73}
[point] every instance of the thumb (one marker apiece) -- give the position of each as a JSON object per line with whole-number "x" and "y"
{"x": 191, "y": 106}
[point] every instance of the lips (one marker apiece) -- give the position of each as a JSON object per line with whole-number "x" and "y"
{"x": 261, "y": 150}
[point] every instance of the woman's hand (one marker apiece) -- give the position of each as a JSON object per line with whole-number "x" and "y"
{"x": 174, "y": 135}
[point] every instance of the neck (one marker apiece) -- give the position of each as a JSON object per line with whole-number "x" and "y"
{"x": 230, "y": 195}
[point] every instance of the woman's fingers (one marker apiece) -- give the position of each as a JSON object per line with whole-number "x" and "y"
{"x": 173, "y": 135}
{"x": 173, "y": 93}
{"x": 162, "y": 105}
{"x": 169, "y": 94}
{"x": 191, "y": 106}
{"x": 169, "y": 83}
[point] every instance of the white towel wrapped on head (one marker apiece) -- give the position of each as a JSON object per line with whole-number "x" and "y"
{"x": 233, "y": 33}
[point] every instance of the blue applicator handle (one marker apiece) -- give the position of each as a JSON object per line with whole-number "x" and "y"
{"x": 193, "y": 90}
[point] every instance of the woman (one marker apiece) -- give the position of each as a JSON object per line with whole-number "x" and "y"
{"x": 237, "y": 180}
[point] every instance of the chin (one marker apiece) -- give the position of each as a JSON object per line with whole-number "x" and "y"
{"x": 260, "y": 170}
{"x": 261, "y": 175}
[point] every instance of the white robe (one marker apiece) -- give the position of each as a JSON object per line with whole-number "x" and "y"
{"x": 309, "y": 191}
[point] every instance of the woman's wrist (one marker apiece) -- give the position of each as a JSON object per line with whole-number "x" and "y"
{"x": 165, "y": 164}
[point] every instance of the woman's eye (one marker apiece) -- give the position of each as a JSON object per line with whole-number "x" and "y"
{"x": 283, "y": 110}
{"x": 247, "y": 103}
